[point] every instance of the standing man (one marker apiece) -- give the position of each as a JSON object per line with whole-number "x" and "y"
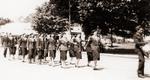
{"x": 138, "y": 39}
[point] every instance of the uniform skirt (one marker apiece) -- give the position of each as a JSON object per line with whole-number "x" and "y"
{"x": 45, "y": 52}
{"x": 78, "y": 54}
{"x": 40, "y": 54}
{"x": 71, "y": 53}
{"x": 77, "y": 51}
{"x": 24, "y": 51}
{"x": 52, "y": 53}
{"x": 96, "y": 54}
{"x": 89, "y": 56}
{"x": 63, "y": 54}
{"x": 32, "y": 53}
{"x": 12, "y": 50}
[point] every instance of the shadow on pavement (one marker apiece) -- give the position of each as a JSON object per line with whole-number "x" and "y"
{"x": 147, "y": 75}
{"x": 122, "y": 56}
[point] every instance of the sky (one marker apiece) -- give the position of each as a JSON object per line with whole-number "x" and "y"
{"x": 14, "y": 9}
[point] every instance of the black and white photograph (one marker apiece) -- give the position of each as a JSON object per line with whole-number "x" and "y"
{"x": 74, "y": 39}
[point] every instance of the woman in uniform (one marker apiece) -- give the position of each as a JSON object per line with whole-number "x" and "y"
{"x": 63, "y": 47}
{"x": 45, "y": 47}
{"x": 40, "y": 48}
{"x": 23, "y": 46}
{"x": 12, "y": 46}
{"x": 71, "y": 49}
{"x": 32, "y": 48}
{"x": 51, "y": 49}
{"x": 77, "y": 49}
{"x": 89, "y": 51}
{"x": 95, "y": 43}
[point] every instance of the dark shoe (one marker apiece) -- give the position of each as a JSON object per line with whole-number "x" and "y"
{"x": 141, "y": 76}
{"x": 95, "y": 68}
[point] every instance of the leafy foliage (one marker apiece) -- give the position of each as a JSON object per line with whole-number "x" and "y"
{"x": 4, "y": 21}
{"x": 46, "y": 19}
{"x": 118, "y": 17}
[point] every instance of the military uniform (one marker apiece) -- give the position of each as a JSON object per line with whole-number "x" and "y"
{"x": 23, "y": 46}
{"x": 45, "y": 48}
{"x": 32, "y": 48}
{"x": 12, "y": 47}
{"x": 138, "y": 39}
{"x": 5, "y": 44}
{"x": 89, "y": 51}
{"x": 52, "y": 48}
{"x": 40, "y": 47}
{"x": 63, "y": 49}
{"x": 77, "y": 48}
{"x": 95, "y": 47}
{"x": 71, "y": 48}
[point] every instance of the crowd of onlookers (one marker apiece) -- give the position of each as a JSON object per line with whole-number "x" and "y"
{"x": 42, "y": 48}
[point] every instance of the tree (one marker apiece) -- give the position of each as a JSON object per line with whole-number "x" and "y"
{"x": 118, "y": 17}
{"x": 47, "y": 20}
{"x": 4, "y": 21}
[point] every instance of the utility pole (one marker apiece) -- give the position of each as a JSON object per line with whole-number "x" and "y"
{"x": 69, "y": 17}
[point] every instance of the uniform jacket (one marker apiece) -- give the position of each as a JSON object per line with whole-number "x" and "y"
{"x": 51, "y": 44}
{"x": 40, "y": 43}
{"x": 5, "y": 41}
{"x": 31, "y": 43}
{"x": 23, "y": 42}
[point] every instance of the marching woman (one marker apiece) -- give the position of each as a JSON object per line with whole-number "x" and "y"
{"x": 45, "y": 47}
{"x": 40, "y": 48}
{"x": 95, "y": 43}
{"x": 71, "y": 49}
{"x": 12, "y": 46}
{"x": 77, "y": 49}
{"x": 89, "y": 51}
{"x": 5, "y": 44}
{"x": 23, "y": 46}
{"x": 51, "y": 49}
{"x": 63, "y": 47}
{"x": 32, "y": 48}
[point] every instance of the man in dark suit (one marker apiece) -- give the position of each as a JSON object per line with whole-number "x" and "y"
{"x": 138, "y": 39}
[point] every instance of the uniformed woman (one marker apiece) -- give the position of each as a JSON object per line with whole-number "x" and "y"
{"x": 63, "y": 47}
{"x": 51, "y": 49}
{"x": 23, "y": 46}
{"x": 95, "y": 44}
{"x": 32, "y": 48}
{"x": 77, "y": 49}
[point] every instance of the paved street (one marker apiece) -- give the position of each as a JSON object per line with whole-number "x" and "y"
{"x": 112, "y": 67}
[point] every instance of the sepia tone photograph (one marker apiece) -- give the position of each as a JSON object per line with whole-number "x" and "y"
{"x": 74, "y": 39}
